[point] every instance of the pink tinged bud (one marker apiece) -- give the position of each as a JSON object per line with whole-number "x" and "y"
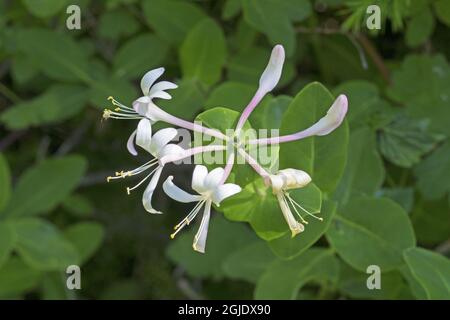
{"x": 331, "y": 120}
{"x": 272, "y": 73}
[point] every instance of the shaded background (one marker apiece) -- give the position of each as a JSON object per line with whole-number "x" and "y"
{"x": 56, "y": 208}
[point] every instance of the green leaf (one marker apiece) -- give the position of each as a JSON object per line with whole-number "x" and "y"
{"x": 203, "y": 52}
{"x": 274, "y": 19}
{"x": 53, "y": 287}
{"x": 403, "y": 196}
{"x": 433, "y": 173}
{"x": 42, "y": 187}
{"x": 442, "y": 9}
{"x": 404, "y": 141}
{"x": 431, "y": 221}
{"x": 86, "y": 238}
{"x": 283, "y": 279}
{"x": 5, "y": 182}
{"x": 269, "y": 113}
{"x": 249, "y": 262}
{"x": 44, "y": 8}
{"x": 322, "y": 157}
{"x": 17, "y": 278}
{"x": 339, "y": 60}
{"x": 187, "y": 100}
{"x": 380, "y": 226}
{"x": 78, "y": 205}
{"x": 420, "y": 28}
{"x": 132, "y": 59}
{"x": 353, "y": 284}
{"x": 257, "y": 205}
{"x": 231, "y": 9}
{"x": 117, "y": 24}
{"x": 7, "y": 240}
{"x": 107, "y": 86}
{"x": 172, "y": 19}
{"x": 224, "y": 238}
{"x": 248, "y": 65}
{"x": 287, "y": 247}
{"x": 364, "y": 171}
{"x": 428, "y": 98}
{"x": 42, "y": 246}
{"x": 233, "y": 95}
{"x": 363, "y": 97}
{"x": 56, "y": 54}
{"x": 431, "y": 270}
{"x": 58, "y": 103}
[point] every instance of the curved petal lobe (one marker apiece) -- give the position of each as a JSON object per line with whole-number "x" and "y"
{"x": 149, "y": 78}
{"x": 148, "y": 193}
{"x": 224, "y": 191}
{"x": 130, "y": 144}
{"x": 178, "y": 194}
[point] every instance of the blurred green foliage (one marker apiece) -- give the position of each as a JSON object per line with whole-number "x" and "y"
{"x": 381, "y": 181}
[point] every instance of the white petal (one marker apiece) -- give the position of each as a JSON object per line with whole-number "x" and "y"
{"x": 173, "y": 150}
{"x": 160, "y": 139}
{"x": 200, "y": 237}
{"x": 198, "y": 178}
{"x": 161, "y": 95}
{"x": 213, "y": 178}
{"x": 149, "y": 78}
{"x": 295, "y": 226}
{"x": 332, "y": 119}
{"x": 130, "y": 144}
{"x": 224, "y": 191}
{"x": 144, "y": 134}
{"x": 148, "y": 193}
{"x": 160, "y": 87}
{"x": 178, "y": 194}
{"x": 140, "y": 105}
{"x": 277, "y": 182}
{"x": 272, "y": 73}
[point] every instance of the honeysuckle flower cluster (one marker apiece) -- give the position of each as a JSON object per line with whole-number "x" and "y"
{"x": 212, "y": 187}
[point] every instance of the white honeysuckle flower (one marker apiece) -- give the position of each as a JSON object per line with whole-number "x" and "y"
{"x": 283, "y": 181}
{"x": 272, "y": 74}
{"x": 209, "y": 190}
{"x": 144, "y": 108}
{"x": 158, "y": 146}
{"x": 152, "y": 90}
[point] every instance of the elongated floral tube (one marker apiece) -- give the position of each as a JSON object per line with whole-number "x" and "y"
{"x": 267, "y": 82}
{"x": 190, "y": 152}
{"x": 228, "y": 167}
{"x": 254, "y": 164}
{"x": 157, "y": 114}
{"x": 324, "y": 126}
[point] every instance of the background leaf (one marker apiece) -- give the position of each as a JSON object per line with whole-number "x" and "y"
{"x": 203, "y": 52}
{"x": 45, "y": 185}
{"x": 431, "y": 270}
{"x": 380, "y": 226}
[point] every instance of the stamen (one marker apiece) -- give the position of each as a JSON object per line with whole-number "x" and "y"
{"x": 309, "y": 213}
{"x": 191, "y": 215}
{"x": 295, "y": 209}
{"x": 142, "y": 181}
{"x": 123, "y": 174}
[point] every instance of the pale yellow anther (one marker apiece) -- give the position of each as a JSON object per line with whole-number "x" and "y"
{"x": 172, "y": 236}
{"x": 106, "y": 113}
{"x": 128, "y": 191}
{"x": 110, "y": 98}
{"x": 108, "y": 179}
